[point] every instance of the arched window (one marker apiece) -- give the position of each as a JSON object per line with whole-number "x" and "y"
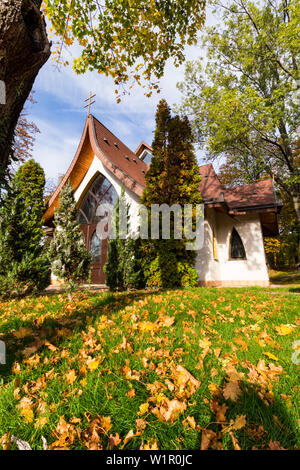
{"x": 95, "y": 248}
{"x": 236, "y": 250}
{"x": 101, "y": 191}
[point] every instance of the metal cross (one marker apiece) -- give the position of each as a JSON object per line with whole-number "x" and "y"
{"x": 90, "y": 102}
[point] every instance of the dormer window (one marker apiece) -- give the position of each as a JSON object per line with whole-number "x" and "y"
{"x": 146, "y": 157}
{"x": 105, "y": 140}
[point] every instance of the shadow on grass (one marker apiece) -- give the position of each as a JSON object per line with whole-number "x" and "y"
{"x": 269, "y": 424}
{"x": 75, "y": 320}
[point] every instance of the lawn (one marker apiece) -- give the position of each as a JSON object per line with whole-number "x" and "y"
{"x": 184, "y": 369}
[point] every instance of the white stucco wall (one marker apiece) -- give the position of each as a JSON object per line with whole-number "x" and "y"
{"x": 253, "y": 269}
{"x": 98, "y": 167}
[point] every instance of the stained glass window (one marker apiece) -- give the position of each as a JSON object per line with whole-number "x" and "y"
{"x": 101, "y": 191}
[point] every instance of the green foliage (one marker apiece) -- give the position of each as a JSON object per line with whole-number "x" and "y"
{"x": 31, "y": 179}
{"x": 173, "y": 178}
{"x": 123, "y": 268}
{"x": 24, "y": 267}
{"x": 70, "y": 261}
{"x": 244, "y": 104}
{"x": 129, "y": 41}
{"x": 282, "y": 252}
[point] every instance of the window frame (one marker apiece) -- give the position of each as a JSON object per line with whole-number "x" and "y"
{"x": 230, "y": 244}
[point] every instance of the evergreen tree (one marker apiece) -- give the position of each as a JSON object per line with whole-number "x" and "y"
{"x": 24, "y": 267}
{"x": 70, "y": 261}
{"x": 31, "y": 178}
{"x": 173, "y": 178}
{"x": 123, "y": 267}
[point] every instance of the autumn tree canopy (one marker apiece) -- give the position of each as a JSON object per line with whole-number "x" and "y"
{"x": 244, "y": 103}
{"x": 128, "y": 40}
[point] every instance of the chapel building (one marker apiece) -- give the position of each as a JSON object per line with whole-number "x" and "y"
{"x": 235, "y": 220}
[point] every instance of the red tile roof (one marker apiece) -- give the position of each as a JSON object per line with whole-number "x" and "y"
{"x": 119, "y": 154}
{"x": 256, "y": 194}
{"x": 130, "y": 170}
{"x": 249, "y": 195}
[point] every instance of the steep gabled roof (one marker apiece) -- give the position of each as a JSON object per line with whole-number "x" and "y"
{"x": 210, "y": 186}
{"x": 111, "y": 151}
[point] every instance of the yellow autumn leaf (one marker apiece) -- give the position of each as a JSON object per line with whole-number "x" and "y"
{"x": 144, "y": 408}
{"x": 271, "y": 356}
{"x": 238, "y": 423}
{"x": 93, "y": 364}
{"x": 71, "y": 377}
{"x": 22, "y": 332}
{"x": 284, "y": 330}
{"x": 27, "y": 413}
{"x": 41, "y": 421}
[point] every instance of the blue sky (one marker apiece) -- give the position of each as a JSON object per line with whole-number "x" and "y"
{"x": 60, "y": 116}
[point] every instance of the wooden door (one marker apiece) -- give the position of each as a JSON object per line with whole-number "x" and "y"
{"x": 98, "y": 249}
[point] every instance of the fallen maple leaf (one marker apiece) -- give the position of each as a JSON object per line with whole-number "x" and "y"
{"x": 144, "y": 407}
{"x": 169, "y": 410}
{"x": 113, "y": 441}
{"x": 131, "y": 393}
{"x": 238, "y": 423}
{"x": 151, "y": 445}
{"x": 209, "y": 440}
{"x": 93, "y": 364}
{"x": 71, "y": 377}
{"x": 219, "y": 411}
{"x": 284, "y": 330}
{"x": 275, "y": 445}
{"x": 232, "y": 390}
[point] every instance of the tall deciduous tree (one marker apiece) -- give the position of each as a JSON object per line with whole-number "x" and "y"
{"x": 244, "y": 104}
{"x": 173, "y": 178}
{"x": 123, "y": 39}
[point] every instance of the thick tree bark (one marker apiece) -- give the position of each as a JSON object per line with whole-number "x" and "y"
{"x": 24, "y": 48}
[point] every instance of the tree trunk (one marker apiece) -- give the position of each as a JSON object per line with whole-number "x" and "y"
{"x": 24, "y": 48}
{"x": 296, "y": 203}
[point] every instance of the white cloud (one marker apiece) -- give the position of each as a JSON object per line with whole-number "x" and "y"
{"x": 54, "y": 150}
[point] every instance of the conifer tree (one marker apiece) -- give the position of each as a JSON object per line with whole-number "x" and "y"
{"x": 173, "y": 178}
{"x": 70, "y": 261}
{"x": 24, "y": 267}
{"x": 123, "y": 267}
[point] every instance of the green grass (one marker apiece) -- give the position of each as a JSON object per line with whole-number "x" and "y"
{"x": 80, "y": 360}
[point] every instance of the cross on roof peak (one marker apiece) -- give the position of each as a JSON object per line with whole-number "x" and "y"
{"x": 90, "y": 102}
